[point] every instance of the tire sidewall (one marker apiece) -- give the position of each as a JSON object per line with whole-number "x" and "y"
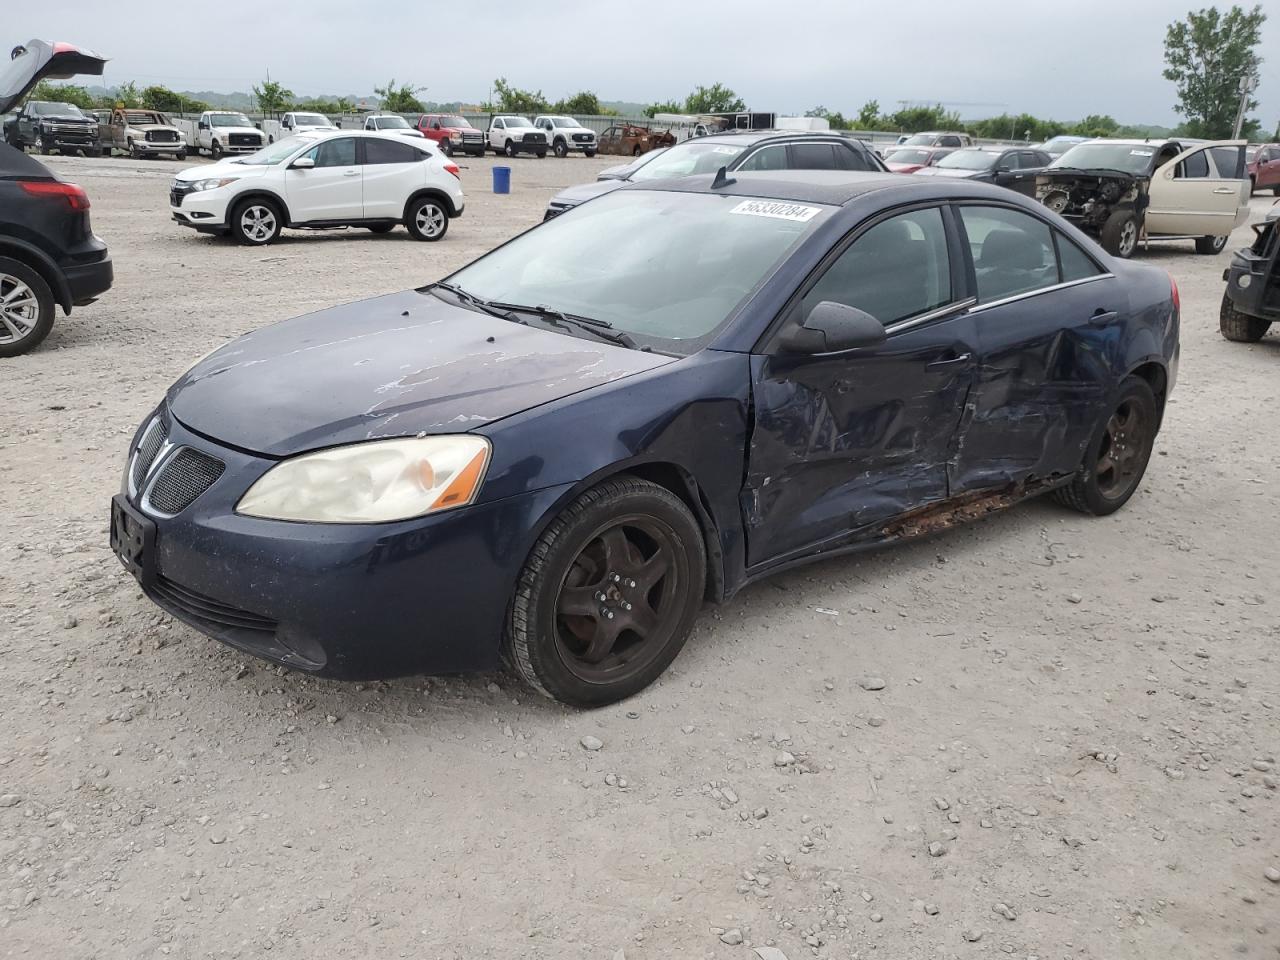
{"x": 1132, "y": 388}
{"x": 45, "y": 303}
{"x": 540, "y": 586}
{"x": 411, "y": 219}
{"x": 238, "y": 210}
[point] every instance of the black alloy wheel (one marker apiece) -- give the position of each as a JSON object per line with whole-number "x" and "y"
{"x": 609, "y": 594}
{"x": 1118, "y": 454}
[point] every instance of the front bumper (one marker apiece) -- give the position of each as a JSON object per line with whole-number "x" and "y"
{"x": 1261, "y": 297}
{"x": 146, "y": 146}
{"x": 205, "y": 211}
{"x": 350, "y": 601}
{"x": 77, "y": 140}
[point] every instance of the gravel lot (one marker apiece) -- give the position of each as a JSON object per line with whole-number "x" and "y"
{"x": 1080, "y": 716}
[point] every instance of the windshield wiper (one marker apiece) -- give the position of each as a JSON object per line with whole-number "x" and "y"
{"x": 494, "y": 310}
{"x": 602, "y": 329}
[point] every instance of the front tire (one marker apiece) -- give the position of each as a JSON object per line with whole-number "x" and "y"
{"x": 427, "y": 219}
{"x": 509, "y": 149}
{"x": 44, "y": 146}
{"x": 446, "y": 148}
{"x": 180, "y": 155}
{"x": 589, "y": 153}
{"x": 561, "y": 149}
{"x": 1117, "y": 456}
{"x": 1210, "y": 246}
{"x": 1240, "y": 327}
{"x": 1119, "y": 235}
{"x": 608, "y": 596}
{"x": 216, "y": 150}
{"x": 256, "y": 222}
{"x": 26, "y": 308}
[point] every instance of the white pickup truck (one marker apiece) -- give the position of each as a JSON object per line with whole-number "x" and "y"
{"x": 292, "y": 123}
{"x": 510, "y": 134}
{"x": 566, "y": 134}
{"x": 219, "y": 132}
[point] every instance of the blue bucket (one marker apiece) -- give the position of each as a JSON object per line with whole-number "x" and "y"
{"x": 501, "y": 179}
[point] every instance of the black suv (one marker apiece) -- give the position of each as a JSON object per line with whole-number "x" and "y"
{"x": 49, "y": 256}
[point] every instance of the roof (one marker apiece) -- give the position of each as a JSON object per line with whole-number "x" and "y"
{"x": 831, "y": 187}
{"x": 756, "y": 136}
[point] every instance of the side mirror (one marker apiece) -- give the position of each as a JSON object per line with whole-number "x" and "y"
{"x": 435, "y": 126}
{"x": 202, "y": 125}
{"x": 303, "y": 163}
{"x": 832, "y": 327}
{"x": 258, "y": 125}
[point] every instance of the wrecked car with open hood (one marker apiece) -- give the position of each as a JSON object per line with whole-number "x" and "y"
{"x": 556, "y": 454}
{"x": 1125, "y": 192}
{"x": 1251, "y": 302}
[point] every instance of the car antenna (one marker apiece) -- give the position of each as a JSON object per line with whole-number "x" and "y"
{"x": 722, "y": 179}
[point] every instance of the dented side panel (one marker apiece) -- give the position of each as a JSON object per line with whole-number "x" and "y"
{"x": 1049, "y": 365}
{"x": 844, "y": 442}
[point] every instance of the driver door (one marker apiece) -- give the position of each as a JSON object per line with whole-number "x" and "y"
{"x": 1190, "y": 197}
{"x": 332, "y": 189}
{"x": 844, "y": 442}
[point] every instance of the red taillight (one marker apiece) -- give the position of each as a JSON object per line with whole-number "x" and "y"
{"x": 453, "y": 168}
{"x": 72, "y": 193}
{"x": 1177, "y": 298}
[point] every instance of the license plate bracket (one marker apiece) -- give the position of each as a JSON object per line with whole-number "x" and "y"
{"x": 133, "y": 540}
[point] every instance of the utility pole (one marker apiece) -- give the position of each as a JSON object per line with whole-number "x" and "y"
{"x": 1247, "y": 86}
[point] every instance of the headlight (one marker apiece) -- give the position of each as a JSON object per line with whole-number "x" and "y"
{"x": 1244, "y": 280}
{"x": 372, "y": 482}
{"x": 213, "y": 183}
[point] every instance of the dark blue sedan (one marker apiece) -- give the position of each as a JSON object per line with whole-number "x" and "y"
{"x": 557, "y": 454}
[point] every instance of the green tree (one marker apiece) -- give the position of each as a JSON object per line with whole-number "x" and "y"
{"x": 509, "y": 99}
{"x": 125, "y": 95}
{"x": 169, "y": 101}
{"x": 869, "y": 116}
{"x": 667, "y": 106}
{"x": 913, "y": 119}
{"x": 585, "y": 103}
{"x": 833, "y": 117}
{"x": 272, "y": 97}
{"x": 318, "y": 105}
{"x": 1206, "y": 56}
{"x": 716, "y": 98}
{"x": 400, "y": 99}
{"x": 63, "y": 93}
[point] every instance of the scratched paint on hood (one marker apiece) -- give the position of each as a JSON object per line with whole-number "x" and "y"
{"x": 398, "y": 365}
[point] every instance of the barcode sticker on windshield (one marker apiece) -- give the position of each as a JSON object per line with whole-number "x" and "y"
{"x": 778, "y": 211}
{"x": 1141, "y": 153}
{"x": 727, "y": 151}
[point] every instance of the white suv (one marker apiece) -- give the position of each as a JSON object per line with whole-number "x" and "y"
{"x": 322, "y": 180}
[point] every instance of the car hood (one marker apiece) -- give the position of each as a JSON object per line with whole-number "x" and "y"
{"x": 947, "y": 172}
{"x": 66, "y": 118}
{"x": 38, "y": 60}
{"x": 225, "y": 167}
{"x": 394, "y": 366}
{"x": 236, "y": 129}
{"x": 903, "y": 167}
{"x": 587, "y": 191}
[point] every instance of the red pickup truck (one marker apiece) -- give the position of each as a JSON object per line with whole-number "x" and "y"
{"x": 452, "y": 133}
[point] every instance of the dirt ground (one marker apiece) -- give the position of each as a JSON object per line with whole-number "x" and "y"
{"x": 1081, "y": 716}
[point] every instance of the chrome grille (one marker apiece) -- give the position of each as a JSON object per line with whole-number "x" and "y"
{"x": 185, "y": 476}
{"x": 153, "y": 439}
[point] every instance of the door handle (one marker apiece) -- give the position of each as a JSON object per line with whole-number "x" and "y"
{"x": 1101, "y": 318}
{"x": 1224, "y": 190}
{"x": 351, "y": 173}
{"x": 949, "y": 362}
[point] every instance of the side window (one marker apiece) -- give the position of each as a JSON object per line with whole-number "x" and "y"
{"x": 1012, "y": 252}
{"x": 1074, "y": 263}
{"x": 949, "y": 142}
{"x": 499, "y": 124}
{"x": 849, "y": 158}
{"x": 769, "y": 158}
{"x": 1229, "y": 161}
{"x": 813, "y": 156}
{"x": 1193, "y": 166}
{"x": 897, "y": 269}
{"x": 334, "y": 153}
{"x": 377, "y": 150}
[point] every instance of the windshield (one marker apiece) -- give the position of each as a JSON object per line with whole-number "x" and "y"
{"x": 1130, "y": 157}
{"x": 907, "y": 156}
{"x": 667, "y": 268}
{"x": 311, "y": 120}
{"x": 56, "y": 110}
{"x": 687, "y": 159}
{"x": 968, "y": 160}
{"x": 920, "y": 139}
{"x": 229, "y": 120}
{"x": 1060, "y": 144}
{"x": 143, "y": 116}
{"x": 390, "y": 123}
{"x": 564, "y": 121}
{"x": 517, "y": 122}
{"x": 459, "y": 122}
{"x": 275, "y": 152}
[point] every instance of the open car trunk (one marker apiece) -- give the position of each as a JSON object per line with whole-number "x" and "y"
{"x": 38, "y": 60}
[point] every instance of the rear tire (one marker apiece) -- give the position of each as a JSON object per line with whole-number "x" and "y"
{"x": 636, "y": 545}
{"x": 1210, "y": 246}
{"x": 1240, "y": 327}
{"x": 589, "y": 153}
{"x": 1117, "y": 455}
{"x": 1119, "y": 235}
{"x": 426, "y": 219}
{"x": 27, "y": 319}
{"x": 256, "y": 222}
{"x": 542, "y": 154}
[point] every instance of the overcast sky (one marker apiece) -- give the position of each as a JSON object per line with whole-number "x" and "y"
{"x": 982, "y": 57}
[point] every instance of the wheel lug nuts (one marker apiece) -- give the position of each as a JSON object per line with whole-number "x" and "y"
{"x": 608, "y": 614}
{"x": 626, "y": 606}
{"x": 631, "y": 583}
{"x": 615, "y": 578}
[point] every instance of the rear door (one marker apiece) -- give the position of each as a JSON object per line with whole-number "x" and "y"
{"x": 1049, "y": 343}
{"x": 332, "y": 189}
{"x": 1190, "y": 197}
{"x": 390, "y": 171}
